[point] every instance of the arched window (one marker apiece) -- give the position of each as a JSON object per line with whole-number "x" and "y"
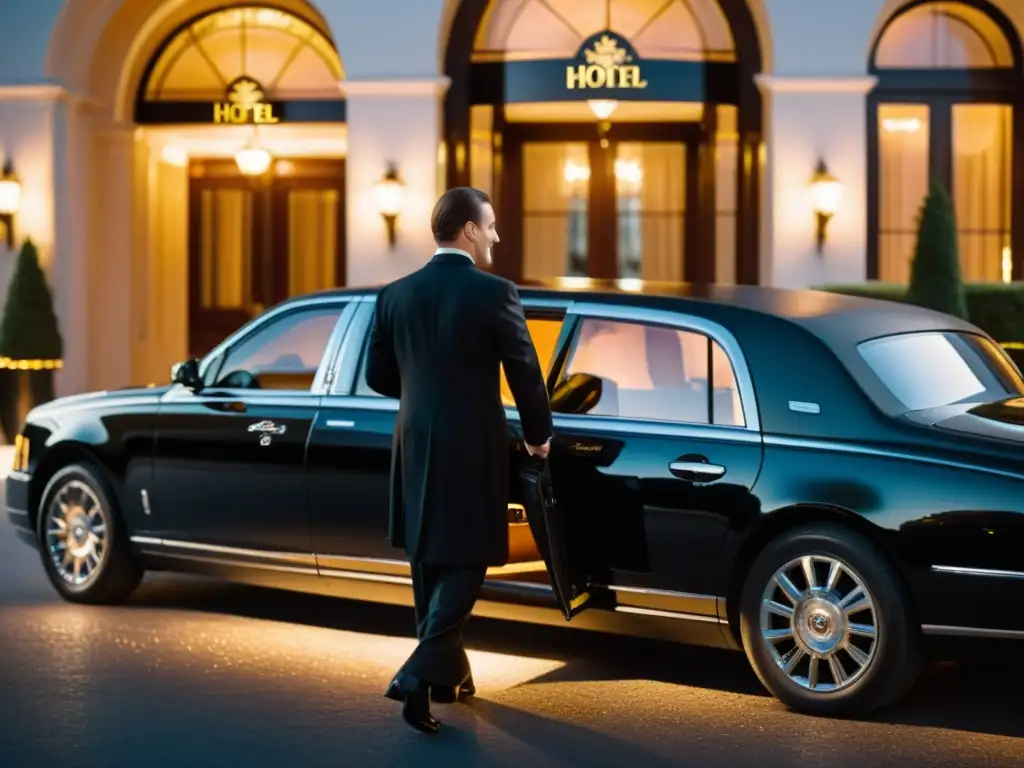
{"x": 242, "y": 54}
{"x": 943, "y": 111}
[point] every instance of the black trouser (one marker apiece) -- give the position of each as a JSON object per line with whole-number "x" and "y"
{"x": 444, "y": 596}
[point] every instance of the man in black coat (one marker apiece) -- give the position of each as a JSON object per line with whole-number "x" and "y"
{"x": 439, "y": 338}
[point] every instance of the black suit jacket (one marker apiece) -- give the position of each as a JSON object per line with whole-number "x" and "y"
{"x": 438, "y": 337}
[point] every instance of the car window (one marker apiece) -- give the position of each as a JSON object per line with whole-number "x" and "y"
{"x": 655, "y": 372}
{"x": 543, "y": 332}
{"x": 281, "y": 354}
{"x": 927, "y": 370}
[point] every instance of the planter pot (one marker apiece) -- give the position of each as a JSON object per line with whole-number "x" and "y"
{"x": 20, "y": 392}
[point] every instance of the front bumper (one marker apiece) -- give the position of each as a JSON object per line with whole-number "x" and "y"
{"x": 17, "y": 491}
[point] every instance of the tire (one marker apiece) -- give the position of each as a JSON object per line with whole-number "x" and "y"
{"x": 113, "y": 574}
{"x": 889, "y": 662}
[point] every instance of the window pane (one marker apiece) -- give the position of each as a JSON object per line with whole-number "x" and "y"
{"x": 312, "y": 240}
{"x": 902, "y": 185}
{"x": 927, "y": 370}
{"x": 226, "y": 249}
{"x": 283, "y": 354}
{"x": 982, "y": 152}
{"x": 544, "y": 334}
{"x": 648, "y": 372}
{"x": 726, "y": 162}
{"x": 556, "y": 180}
{"x": 650, "y": 184}
{"x": 943, "y": 35}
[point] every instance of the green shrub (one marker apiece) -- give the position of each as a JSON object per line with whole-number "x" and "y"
{"x": 29, "y": 330}
{"x": 935, "y": 280}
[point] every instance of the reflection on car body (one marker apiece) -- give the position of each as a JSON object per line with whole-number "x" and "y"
{"x": 831, "y": 484}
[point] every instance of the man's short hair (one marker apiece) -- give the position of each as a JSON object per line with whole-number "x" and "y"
{"x": 454, "y": 209}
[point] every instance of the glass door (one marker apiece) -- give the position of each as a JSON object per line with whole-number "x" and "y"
{"x": 255, "y": 242}
{"x": 603, "y": 208}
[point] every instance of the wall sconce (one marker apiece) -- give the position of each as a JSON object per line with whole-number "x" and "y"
{"x": 10, "y": 201}
{"x": 390, "y": 194}
{"x": 826, "y": 195}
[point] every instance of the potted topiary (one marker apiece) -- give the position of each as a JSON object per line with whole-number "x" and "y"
{"x": 935, "y": 279}
{"x": 31, "y": 347}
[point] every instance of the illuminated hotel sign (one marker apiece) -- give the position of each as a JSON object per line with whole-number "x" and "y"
{"x": 245, "y": 104}
{"x": 608, "y": 61}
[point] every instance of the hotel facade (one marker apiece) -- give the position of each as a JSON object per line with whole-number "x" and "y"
{"x": 183, "y": 164}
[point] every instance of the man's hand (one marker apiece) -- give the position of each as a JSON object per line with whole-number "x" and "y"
{"x": 539, "y": 450}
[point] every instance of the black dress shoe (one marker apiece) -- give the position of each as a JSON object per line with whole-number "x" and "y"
{"x": 413, "y": 693}
{"x": 448, "y": 694}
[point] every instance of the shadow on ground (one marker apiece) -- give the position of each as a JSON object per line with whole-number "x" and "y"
{"x": 975, "y": 697}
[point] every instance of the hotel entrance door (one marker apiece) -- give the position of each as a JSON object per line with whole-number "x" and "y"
{"x": 619, "y": 207}
{"x": 254, "y": 242}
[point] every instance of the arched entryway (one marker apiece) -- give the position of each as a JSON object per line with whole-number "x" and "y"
{"x": 617, "y": 138}
{"x": 947, "y": 109}
{"x": 248, "y": 99}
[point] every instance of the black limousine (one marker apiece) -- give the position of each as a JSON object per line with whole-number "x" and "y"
{"x": 827, "y": 483}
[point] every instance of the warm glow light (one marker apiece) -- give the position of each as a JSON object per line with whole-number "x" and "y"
{"x": 174, "y": 155}
{"x": 573, "y": 172}
{"x": 602, "y": 108}
{"x": 253, "y": 161}
{"x": 901, "y": 125}
{"x": 389, "y": 193}
{"x": 826, "y": 193}
{"x": 10, "y": 196}
{"x": 1007, "y": 265}
{"x": 629, "y": 171}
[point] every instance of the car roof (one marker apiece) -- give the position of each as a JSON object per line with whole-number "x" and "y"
{"x": 840, "y": 320}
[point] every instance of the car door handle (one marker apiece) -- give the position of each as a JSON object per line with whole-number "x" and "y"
{"x": 696, "y": 470}
{"x": 267, "y": 427}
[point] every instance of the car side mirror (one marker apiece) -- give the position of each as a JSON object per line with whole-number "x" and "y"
{"x": 187, "y": 374}
{"x": 579, "y": 393}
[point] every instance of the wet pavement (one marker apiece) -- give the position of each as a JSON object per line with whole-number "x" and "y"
{"x": 196, "y": 673}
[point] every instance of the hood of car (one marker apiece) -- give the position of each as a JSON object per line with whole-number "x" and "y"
{"x": 97, "y": 399}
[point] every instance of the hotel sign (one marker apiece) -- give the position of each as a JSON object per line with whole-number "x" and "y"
{"x": 605, "y": 61}
{"x": 244, "y": 105}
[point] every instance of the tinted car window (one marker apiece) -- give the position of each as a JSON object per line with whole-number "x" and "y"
{"x": 927, "y": 370}
{"x": 283, "y": 353}
{"x": 654, "y": 372}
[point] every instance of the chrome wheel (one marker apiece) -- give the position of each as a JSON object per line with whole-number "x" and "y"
{"x": 823, "y": 633}
{"x": 76, "y": 533}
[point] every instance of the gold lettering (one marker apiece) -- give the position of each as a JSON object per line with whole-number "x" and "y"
{"x": 575, "y": 77}
{"x": 598, "y": 76}
{"x": 222, "y": 113}
{"x": 264, "y": 113}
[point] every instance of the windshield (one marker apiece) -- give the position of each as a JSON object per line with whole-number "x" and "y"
{"x": 928, "y": 370}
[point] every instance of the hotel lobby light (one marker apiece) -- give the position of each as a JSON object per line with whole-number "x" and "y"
{"x": 602, "y": 108}
{"x": 826, "y": 195}
{"x": 389, "y": 194}
{"x": 253, "y": 160}
{"x": 10, "y": 201}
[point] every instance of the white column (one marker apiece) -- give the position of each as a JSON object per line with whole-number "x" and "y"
{"x": 110, "y": 300}
{"x": 391, "y": 121}
{"x": 808, "y": 118}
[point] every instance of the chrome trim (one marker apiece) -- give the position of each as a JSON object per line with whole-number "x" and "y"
{"x": 201, "y": 558}
{"x": 993, "y": 634}
{"x": 823, "y": 445}
{"x": 662, "y": 593}
{"x": 366, "y": 402}
{"x": 711, "y": 471}
{"x": 670, "y": 615}
{"x": 682, "y": 321}
{"x": 799, "y": 407}
{"x": 19, "y": 512}
{"x": 339, "y": 423}
{"x": 20, "y": 475}
{"x": 366, "y": 576}
{"x": 350, "y": 354}
{"x": 144, "y": 494}
{"x": 295, "y": 557}
{"x": 351, "y": 563}
{"x": 961, "y": 570}
{"x": 325, "y": 373}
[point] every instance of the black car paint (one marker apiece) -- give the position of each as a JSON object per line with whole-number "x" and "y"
{"x": 929, "y": 496}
